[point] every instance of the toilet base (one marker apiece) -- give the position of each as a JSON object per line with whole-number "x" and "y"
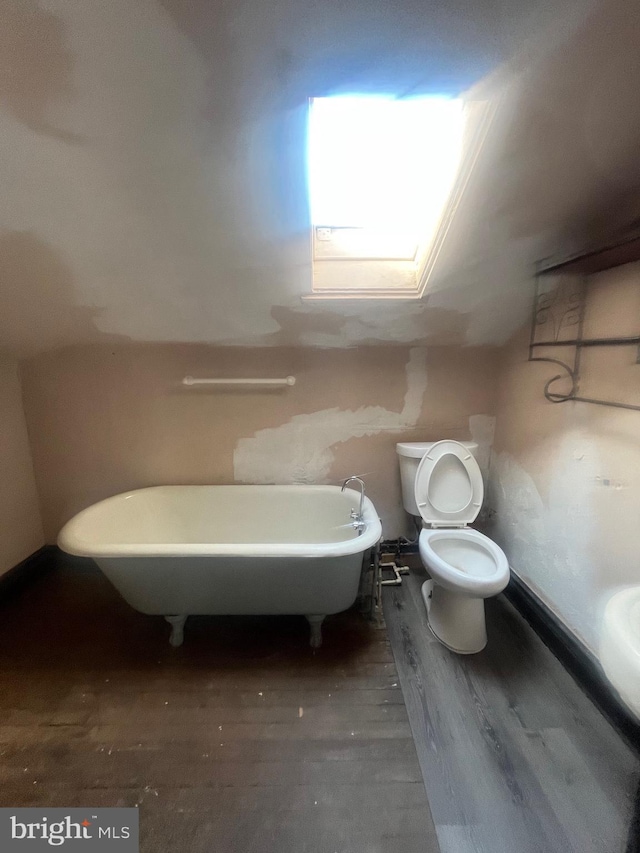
{"x": 457, "y": 621}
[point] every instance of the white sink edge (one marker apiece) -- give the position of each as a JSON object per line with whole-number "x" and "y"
{"x": 620, "y": 645}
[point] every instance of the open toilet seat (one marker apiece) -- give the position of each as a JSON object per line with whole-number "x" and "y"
{"x": 449, "y": 492}
{"x": 448, "y": 485}
{"x": 465, "y": 565}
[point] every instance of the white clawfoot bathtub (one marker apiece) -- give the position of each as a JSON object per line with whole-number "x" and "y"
{"x": 176, "y": 551}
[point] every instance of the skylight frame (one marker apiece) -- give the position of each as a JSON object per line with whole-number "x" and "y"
{"x": 478, "y": 116}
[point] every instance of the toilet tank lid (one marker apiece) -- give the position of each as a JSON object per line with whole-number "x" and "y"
{"x": 417, "y": 449}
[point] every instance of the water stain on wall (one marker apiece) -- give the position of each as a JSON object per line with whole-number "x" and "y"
{"x": 37, "y": 293}
{"x": 295, "y": 323}
{"x": 367, "y": 323}
{"x": 36, "y": 67}
{"x": 568, "y": 109}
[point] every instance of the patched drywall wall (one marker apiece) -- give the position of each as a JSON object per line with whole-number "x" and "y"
{"x": 107, "y": 419}
{"x": 303, "y": 449}
{"x": 153, "y": 161}
{"x": 20, "y": 525}
{"x": 565, "y": 478}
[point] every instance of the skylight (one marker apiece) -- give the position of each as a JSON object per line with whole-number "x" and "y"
{"x": 382, "y": 163}
{"x": 381, "y": 174}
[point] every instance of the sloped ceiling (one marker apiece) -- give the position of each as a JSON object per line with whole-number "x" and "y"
{"x": 152, "y": 160}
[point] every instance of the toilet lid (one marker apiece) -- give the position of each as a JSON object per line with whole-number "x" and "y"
{"x": 448, "y": 487}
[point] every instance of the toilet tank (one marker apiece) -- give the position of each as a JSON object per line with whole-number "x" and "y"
{"x": 410, "y": 453}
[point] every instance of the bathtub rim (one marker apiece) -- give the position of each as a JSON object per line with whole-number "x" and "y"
{"x": 72, "y": 543}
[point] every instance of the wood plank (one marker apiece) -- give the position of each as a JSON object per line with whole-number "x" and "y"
{"x": 502, "y": 738}
{"x": 113, "y": 768}
{"x": 25, "y": 754}
{"x": 243, "y": 739}
{"x": 309, "y": 818}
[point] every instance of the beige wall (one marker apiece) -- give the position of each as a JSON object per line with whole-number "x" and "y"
{"x": 20, "y": 524}
{"x": 107, "y": 419}
{"x": 201, "y": 232}
{"x": 565, "y": 481}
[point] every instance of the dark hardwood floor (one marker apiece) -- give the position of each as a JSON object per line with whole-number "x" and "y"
{"x": 515, "y": 757}
{"x": 246, "y": 740}
{"x": 242, "y": 740}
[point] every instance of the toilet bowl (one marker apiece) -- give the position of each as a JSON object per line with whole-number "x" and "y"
{"x": 464, "y": 561}
{"x": 465, "y": 565}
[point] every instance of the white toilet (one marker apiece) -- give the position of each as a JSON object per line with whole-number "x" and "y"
{"x": 441, "y": 481}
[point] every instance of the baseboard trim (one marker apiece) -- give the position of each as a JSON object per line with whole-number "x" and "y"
{"x": 575, "y": 657}
{"x": 41, "y": 561}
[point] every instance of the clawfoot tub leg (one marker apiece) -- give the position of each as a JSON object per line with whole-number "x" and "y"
{"x": 315, "y": 623}
{"x": 177, "y": 629}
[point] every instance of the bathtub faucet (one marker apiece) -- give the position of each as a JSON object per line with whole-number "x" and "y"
{"x": 358, "y": 520}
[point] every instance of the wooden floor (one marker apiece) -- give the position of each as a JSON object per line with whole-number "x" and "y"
{"x": 514, "y": 756}
{"x": 242, "y": 740}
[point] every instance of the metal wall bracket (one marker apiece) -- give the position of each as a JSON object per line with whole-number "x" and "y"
{"x": 558, "y": 321}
